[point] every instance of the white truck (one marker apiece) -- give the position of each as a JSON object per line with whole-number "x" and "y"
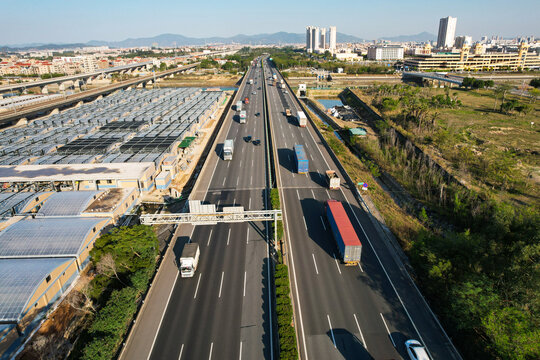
{"x": 250, "y": 81}
{"x": 239, "y": 106}
{"x": 189, "y": 259}
{"x": 228, "y": 149}
{"x": 302, "y": 119}
{"x": 243, "y": 117}
{"x": 333, "y": 179}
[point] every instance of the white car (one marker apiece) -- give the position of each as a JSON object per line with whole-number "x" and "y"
{"x": 416, "y": 350}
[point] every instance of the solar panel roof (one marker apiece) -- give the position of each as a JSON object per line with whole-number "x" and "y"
{"x": 68, "y": 203}
{"x": 47, "y": 237}
{"x": 19, "y": 279}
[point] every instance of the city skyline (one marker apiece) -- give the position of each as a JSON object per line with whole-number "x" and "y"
{"x": 59, "y": 22}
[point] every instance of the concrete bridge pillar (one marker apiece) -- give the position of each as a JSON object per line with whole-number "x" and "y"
{"x": 45, "y": 90}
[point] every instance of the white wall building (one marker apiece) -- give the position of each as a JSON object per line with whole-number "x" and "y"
{"x": 447, "y": 32}
{"x": 385, "y": 52}
{"x": 332, "y": 38}
{"x": 322, "y": 42}
{"x": 462, "y": 40}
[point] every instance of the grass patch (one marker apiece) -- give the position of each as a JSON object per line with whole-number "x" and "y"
{"x": 284, "y": 311}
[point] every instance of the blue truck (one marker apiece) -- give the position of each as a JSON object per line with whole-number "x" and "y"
{"x": 301, "y": 159}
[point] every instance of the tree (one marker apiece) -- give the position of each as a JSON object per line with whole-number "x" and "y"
{"x": 503, "y": 89}
{"x": 535, "y": 83}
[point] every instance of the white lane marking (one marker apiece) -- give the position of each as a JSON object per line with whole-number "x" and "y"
{"x": 322, "y": 221}
{"x": 360, "y": 266}
{"x": 327, "y": 193}
{"x": 211, "y": 348}
{"x": 221, "y": 284}
{"x": 249, "y": 206}
{"x": 237, "y": 180}
{"x": 251, "y": 180}
{"x": 218, "y": 202}
{"x": 228, "y": 164}
{"x": 289, "y": 156}
{"x": 240, "y": 358}
{"x": 387, "y": 330}
{"x": 331, "y": 331}
{"x": 197, "y": 288}
{"x": 228, "y": 237}
{"x": 240, "y": 163}
{"x": 312, "y": 193}
{"x": 315, "y": 263}
{"x": 360, "y": 331}
{"x": 181, "y": 351}
{"x": 209, "y": 238}
{"x": 337, "y": 264}
{"x": 234, "y": 201}
{"x": 297, "y": 194}
{"x": 304, "y": 222}
{"x": 225, "y": 178}
{"x": 247, "y": 236}
{"x": 245, "y": 277}
{"x": 251, "y": 162}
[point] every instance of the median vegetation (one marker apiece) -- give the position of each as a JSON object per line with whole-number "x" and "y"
{"x": 287, "y": 335}
{"x": 123, "y": 262}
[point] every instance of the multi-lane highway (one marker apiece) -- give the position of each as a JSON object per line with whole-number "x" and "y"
{"x": 361, "y": 312}
{"x": 224, "y": 311}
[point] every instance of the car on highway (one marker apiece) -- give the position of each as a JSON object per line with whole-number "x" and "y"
{"x": 416, "y": 350}
{"x": 257, "y": 142}
{"x": 257, "y": 114}
{"x": 247, "y": 138}
{"x": 254, "y": 93}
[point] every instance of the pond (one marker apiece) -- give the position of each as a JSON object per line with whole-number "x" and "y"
{"x": 330, "y": 103}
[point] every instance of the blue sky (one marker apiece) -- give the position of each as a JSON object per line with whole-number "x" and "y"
{"x": 43, "y": 21}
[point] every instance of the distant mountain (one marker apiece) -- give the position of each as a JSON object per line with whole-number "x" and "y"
{"x": 421, "y": 37}
{"x": 165, "y": 40}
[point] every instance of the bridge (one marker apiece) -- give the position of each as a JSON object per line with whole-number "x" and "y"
{"x": 42, "y": 84}
{"x": 432, "y": 77}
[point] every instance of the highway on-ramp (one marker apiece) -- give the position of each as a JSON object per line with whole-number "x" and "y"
{"x": 342, "y": 312}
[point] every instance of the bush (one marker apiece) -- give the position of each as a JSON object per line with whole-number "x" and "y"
{"x": 287, "y": 335}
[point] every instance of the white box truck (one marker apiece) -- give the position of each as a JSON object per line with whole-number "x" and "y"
{"x": 189, "y": 260}
{"x": 228, "y": 149}
{"x": 250, "y": 81}
{"x": 333, "y": 179}
{"x": 302, "y": 119}
{"x": 243, "y": 117}
{"x": 239, "y": 106}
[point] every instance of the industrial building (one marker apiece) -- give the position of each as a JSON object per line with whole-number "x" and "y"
{"x": 476, "y": 60}
{"x": 68, "y": 177}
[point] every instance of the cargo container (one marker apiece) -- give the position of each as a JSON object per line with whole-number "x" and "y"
{"x": 239, "y": 106}
{"x": 189, "y": 259}
{"x": 301, "y": 159}
{"x": 333, "y": 179}
{"x": 302, "y": 119}
{"x": 228, "y": 149}
{"x": 243, "y": 117}
{"x": 347, "y": 241}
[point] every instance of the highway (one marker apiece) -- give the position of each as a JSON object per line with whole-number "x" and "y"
{"x": 341, "y": 312}
{"x": 224, "y": 311}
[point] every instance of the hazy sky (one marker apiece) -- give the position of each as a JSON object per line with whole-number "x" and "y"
{"x": 66, "y": 21}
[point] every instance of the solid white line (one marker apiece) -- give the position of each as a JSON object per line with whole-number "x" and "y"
{"x": 197, "y": 288}
{"x": 221, "y": 285}
{"x": 209, "y": 238}
{"x": 331, "y": 331}
{"x": 322, "y": 221}
{"x": 316, "y": 269}
{"x": 388, "y": 331}
{"x": 228, "y": 237}
{"x": 181, "y": 351}
{"x": 360, "y": 266}
{"x": 163, "y": 315}
{"x": 225, "y": 178}
{"x": 245, "y": 277}
{"x": 303, "y": 218}
{"x": 240, "y": 358}
{"x": 337, "y": 264}
{"x": 211, "y": 348}
{"x": 247, "y": 236}
{"x": 360, "y": 331}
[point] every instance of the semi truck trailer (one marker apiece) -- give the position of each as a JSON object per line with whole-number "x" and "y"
{"x": 301, "y": 159}
{"x": 302, "y": 119}
{"x": 228, "y": 149}
{"x": 189, "y": 259}
{"x": 349, "y": 246}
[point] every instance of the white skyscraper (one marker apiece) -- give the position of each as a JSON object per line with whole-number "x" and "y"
{"x": 333, "y": 38}
{"x": 447, "y": 32}
{"x": 315, "y": 39}
{"x": 322, "y": 43}
{"x": 308, "y": 39}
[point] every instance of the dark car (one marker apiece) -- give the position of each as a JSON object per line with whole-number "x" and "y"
{"x": 247, "y": 138}
{"x": 257, "y": 142}
{"x": 257, "y": 114}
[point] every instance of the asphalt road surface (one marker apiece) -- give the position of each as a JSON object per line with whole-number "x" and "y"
{"x": 342, "y": 312}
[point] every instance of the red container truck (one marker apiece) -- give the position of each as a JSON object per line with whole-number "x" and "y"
{"x": 347, "y": 241}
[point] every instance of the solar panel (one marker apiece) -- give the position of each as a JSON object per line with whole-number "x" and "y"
{"x": 68, "y": 203}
